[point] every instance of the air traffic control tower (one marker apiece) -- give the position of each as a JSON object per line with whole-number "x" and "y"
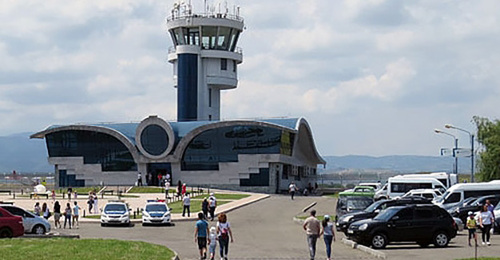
{"x": 205, "y": 57}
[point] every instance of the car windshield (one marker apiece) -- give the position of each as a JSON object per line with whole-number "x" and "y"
{"x": 387, "y": 214}
{"x": 115, "y": 208}
{"x": 156, "y": 208}
{"x": 374, "y": 206}
{"x": 357, "y": 204}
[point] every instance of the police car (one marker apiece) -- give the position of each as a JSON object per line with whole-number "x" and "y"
{"x": 115, "y": 213}
{"x": 156, "y": 212}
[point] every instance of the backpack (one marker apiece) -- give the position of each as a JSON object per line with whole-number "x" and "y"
{"x": 224, "y": 232}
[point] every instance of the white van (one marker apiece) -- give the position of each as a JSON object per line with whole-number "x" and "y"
{"x": 398, "y": 186}
{"x": 446, "y": 179}
{"x": 459, "y": 192}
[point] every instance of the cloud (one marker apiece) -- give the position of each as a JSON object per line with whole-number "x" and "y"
{"x": 371, "y": 76}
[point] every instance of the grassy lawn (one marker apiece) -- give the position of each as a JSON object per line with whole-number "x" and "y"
{"x": 195, "y": 206}
{"x": 150, "y": 190}
{"x": 84, "y": 249}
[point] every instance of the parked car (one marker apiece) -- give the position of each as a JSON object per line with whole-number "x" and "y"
{"x": 431, "y": 194}
{"x": 423, "y": 224}
{"x": 31, "y": 222}
{"x": 10, "y": 225}
{"x": 375, "y": 185}
{"x": 349, "y": 202}
{"x": 156, "y": 212}
{"x": 496, "y": 211}
{"x": 115, "y": 213}
{"x": 462, "y": 212}
{"x": 343, "y": 222}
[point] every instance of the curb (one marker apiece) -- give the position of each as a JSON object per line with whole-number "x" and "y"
{"x": 363, "y": 248}
{"x": 51, "y": 235}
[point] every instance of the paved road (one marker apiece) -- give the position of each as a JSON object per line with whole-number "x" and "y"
{"x": 263, "y": 230}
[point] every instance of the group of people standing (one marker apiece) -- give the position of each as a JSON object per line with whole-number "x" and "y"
{"x": 93, "y": 203}
{"x": 204, "y": 236}
{"x": 71, "y": 214}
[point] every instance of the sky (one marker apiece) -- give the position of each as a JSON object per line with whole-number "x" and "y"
{"x": 372, "y": 77}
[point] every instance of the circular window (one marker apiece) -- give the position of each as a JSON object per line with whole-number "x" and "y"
{"x": 154, "y": 139}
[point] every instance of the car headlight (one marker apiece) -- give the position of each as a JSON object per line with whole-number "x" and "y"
{"x": 166, "y": 214}
{"x": 363, "y": 227}
{"x": 104, "y": 215}
{"x": 145, "y": 214}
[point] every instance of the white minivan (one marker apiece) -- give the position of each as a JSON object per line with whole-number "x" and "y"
{"x": 446, "y": 179}
{"x": 459, "y": 192}
{"x": 397, "y": 186}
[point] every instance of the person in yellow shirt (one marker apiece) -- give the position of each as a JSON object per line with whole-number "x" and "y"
{"x": 471, "y": 226}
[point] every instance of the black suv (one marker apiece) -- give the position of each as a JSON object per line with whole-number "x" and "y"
{"x": 371, "y": 211}
{"x": 423, "y": 224}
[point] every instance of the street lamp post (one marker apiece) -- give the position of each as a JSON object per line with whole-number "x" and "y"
{"x": 455, "y": 168}
{"x": 471, "y": 148}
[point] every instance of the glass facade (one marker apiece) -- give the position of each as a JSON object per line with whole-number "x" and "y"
{"x": 224, "y": 144}
{"x": 94, "y": 147}
{"x": 154, "y": 139}
{"x": 212, "y": 37}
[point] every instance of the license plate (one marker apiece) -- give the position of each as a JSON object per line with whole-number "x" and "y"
{"x": 350, "y": 231}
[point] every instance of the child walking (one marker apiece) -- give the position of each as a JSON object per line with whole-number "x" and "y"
{"x": 212, "y": 241}
{"x": 471, "y": 226}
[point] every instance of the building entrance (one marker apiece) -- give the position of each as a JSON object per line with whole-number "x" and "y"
{"x": 157, "y": 172}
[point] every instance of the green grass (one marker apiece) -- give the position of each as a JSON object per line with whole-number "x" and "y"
{"x": 195, "y": 205}
{"x": 150, "y": 190}
{"x": 84, "y": 249}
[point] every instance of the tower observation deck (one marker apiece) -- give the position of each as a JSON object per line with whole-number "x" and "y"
{"x": 205, "y": 57}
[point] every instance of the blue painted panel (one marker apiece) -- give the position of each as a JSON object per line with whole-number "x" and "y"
{"x": 187, "y": 87}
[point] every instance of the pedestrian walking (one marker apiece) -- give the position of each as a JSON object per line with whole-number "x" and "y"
{"x": 328, "y": 235}
{"x": 96, "y": 203}
{"x": 167, "y": 187}
{"x": 57, "y": 214}
{"x": 53, "y": 195}
{"x": 471, "y": 226}
{"x": 76, "y": 214}
{"x": 201, "y": 235}
{"x": 212, "y": 203}
{"x": 46, "y": 211}
{"x": 67, "y": 215}
{"x": 312, "y": 228}
{"x": 204, "y": 207}
{"x": 186, "y": 202}
{"x": 184, "y": 188}
{"x": 212, "y": 242}
{"x": 292, "y": 189}
{"x": 485, "y": 221}
{"x": 70, "y": 192}
{"x": 224, "y": 233}
{"x": 90, "y": 202}
{"x": 179, "y": 188}
{"x": 139, "y": 179}
{"x": 37, "y": 209}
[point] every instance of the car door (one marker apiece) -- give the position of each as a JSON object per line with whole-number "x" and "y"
{"x": 399, "y": 227}
{"x": 423, "y": 223}
{"x": 27, "y": 217}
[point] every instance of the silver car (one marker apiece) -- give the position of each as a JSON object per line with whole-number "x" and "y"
{"x": 32, "y": 223}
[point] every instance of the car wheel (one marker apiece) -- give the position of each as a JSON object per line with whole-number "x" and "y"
{"x": 39, "y": 230}
{"x": 441, "y": 239}
{"x": 103, "y": 225}
{"x": 5, "y": 233}
{"x": 379, "y": 241}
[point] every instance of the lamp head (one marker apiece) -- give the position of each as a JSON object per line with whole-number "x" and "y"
{"x": 437, "y": 131}
{"x": 448, "y": 126}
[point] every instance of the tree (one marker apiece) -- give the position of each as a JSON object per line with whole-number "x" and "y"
{"x": 488, "y": 136}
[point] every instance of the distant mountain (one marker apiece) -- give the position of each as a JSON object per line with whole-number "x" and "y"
{"x": 396, "y": 163}
{"x": 19, "y": 152}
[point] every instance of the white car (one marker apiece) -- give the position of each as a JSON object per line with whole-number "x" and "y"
{"x": 156, "y": 213}
{"x": 115, "y": 213}
{"x": 32, "y": 223}
{"x": 431, "y": 194}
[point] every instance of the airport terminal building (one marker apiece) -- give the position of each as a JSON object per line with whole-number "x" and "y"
{"x": 199, "y": 148}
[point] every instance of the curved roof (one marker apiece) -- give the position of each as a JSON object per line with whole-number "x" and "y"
{"x": 304, "y": 149}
